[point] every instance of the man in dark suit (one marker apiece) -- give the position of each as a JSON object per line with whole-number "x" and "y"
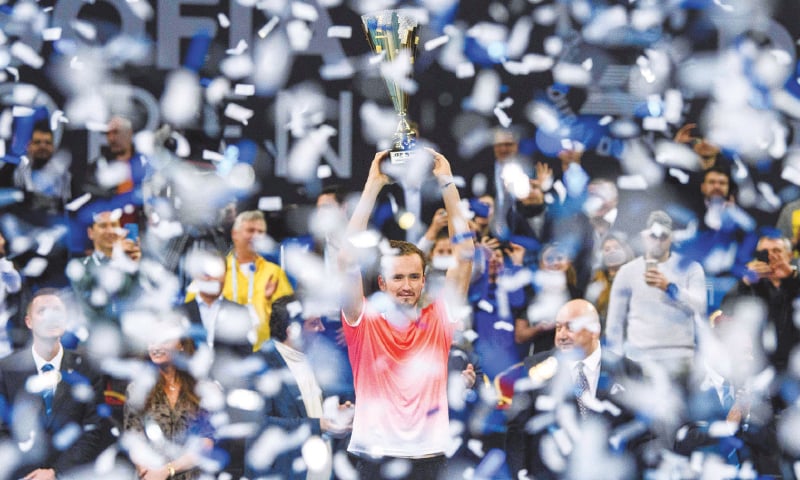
{"x": 222, "y": 326}
{"x": 215, "y": 321}
{"x": 296, "y": 409}
{"x": 50, "y": 390}
{"x": 577, "y": 384}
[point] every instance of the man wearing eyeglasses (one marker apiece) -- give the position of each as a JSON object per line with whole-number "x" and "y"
{"x": 653, "y": 303}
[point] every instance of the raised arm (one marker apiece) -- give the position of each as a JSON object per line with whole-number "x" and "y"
{"x": 354, "y": 296}
{"x": 458, "y": 275}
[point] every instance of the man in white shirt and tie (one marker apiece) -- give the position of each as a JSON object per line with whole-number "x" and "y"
{"x": 215, "y": 320}
{"x": 45, "y": 387}
{"x": 578, "y": 375}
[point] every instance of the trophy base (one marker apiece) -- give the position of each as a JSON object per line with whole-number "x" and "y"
{"x": 399, "y": 157}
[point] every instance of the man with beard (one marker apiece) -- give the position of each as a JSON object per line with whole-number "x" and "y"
{"x": 654, "y": 301}
{"x": 398, "y": 352}
{"x": 46, "y": 182}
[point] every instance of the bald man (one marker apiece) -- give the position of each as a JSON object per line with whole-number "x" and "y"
{"x": 582, "y": 382}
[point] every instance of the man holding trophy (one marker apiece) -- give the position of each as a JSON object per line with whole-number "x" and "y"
{"x": 398, "y": 348}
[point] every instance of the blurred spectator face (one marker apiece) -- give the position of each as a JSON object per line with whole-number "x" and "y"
{"x": 715, "y": 185}
{"x": 46, "y": 317}
{"x": 403, "y": 280}
{"x": 162, "y": 353}
{"x": 313, "y": 326}
{"x": 40, "y": 148}
{"x": 574, "y": 333}
{"x": 2, "y": 246}
{"x": 495, "y": 262}
{"x": 780, "y": 255}
{"x": 657, "y": 244}
{"x": 246, "y": 233}
{"x": 105, "y": 232}
{"x": 536, "y": 194}
{"x": 505, "y": 146}
{"x": 119, "y": 136}
{"x": 603, "y": 197}
{"x": 613, "y": 253}
{"x": 442, "y": 248}
{"x": 554, "y": 259}
{"x": 704, "y": 148}
{"x": 482, "y": 223}
{"x": 211, "y": 279}
{"x": 327, "y": 200}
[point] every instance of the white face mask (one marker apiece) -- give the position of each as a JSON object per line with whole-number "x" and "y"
{"x": 614, "y": 257}
{"x": 209, "y": 287}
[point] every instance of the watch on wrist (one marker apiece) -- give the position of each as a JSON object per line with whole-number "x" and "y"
{"x": 672, "y": 290}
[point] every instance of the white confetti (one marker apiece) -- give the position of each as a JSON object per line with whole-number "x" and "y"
{"x": 35, "y": 267}
{"x": 26, "y": 54}
{"x": 268, "y": 27}
{"x": 239, "y": 113}
{"x": 435, "y": 43}
{"x": 223, "y": 20}
{"x": 486, "y": 91}
{"x": 270, "y": 204}
{"x": 465, "y": 70}
{"x": 180, "y": 103}
{"x": 51, "y": 34}
{"x": 337, "y": 71}
{"x": 272, "y": 62}
{"x": 316, "y": 454}
{"x": 519, "y": 38}
{"x": 234, "y": 67}
{"x": 299, "y": 34}
{"x": 304, "y": 11}
{"x": 500, "y": 325}
{"x": 141, "y": 9}
{"x": 571, "y": 74}
{"x": 239, "y": 49}
{"x": 631, "y": 182}
{"x": 340, "y": 31}
{"x": 78, "y": 202}
{"x": 244, "y": 89}
{"x": 84, "y": 29}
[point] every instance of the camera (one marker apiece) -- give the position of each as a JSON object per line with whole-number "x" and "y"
{"x": 762, "y": 256}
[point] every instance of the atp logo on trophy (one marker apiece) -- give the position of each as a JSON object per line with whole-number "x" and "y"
{"x": 394, "y": 34}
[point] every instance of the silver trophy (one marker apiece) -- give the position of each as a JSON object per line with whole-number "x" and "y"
{"x": 394, "y": 34}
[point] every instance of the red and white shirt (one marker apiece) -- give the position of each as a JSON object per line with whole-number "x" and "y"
{"x": 400, "y": 378}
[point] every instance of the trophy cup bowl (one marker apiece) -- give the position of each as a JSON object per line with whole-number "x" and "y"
{"x": 394, "y": 34}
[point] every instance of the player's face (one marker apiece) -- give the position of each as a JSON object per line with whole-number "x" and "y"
{"x": 403, "y": 280}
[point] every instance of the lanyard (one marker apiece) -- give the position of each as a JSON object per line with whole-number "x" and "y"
{"x": 235, "y": 283}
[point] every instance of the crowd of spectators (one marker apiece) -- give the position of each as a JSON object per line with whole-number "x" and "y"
{"x": 543, "y": 325}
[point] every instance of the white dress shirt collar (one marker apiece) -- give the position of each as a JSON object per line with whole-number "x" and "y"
{"x": 55, "y": 362}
